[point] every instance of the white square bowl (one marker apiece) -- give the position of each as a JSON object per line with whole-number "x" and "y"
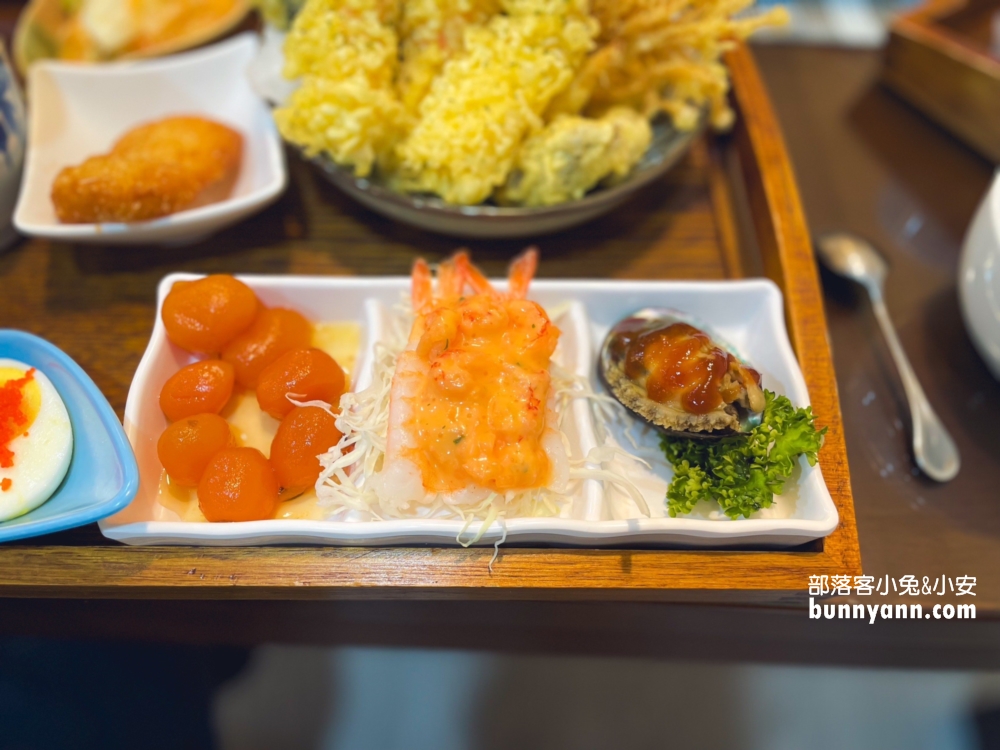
{"x": 78, "y": 111}
{"x": 747, "y": 314}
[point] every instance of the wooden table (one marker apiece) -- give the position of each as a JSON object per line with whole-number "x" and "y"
{"x": 70, "y": 293}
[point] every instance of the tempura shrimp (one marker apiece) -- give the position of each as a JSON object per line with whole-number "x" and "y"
{"x": 469, "y": 408}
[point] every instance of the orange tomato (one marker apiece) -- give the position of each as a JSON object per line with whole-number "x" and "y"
{"x": 238, "y": 485}
{"x": 200, "y": 388}
{"x": 310, "y": 374}
{"x": 186, "y": 447}
{"x": 205, "y": 315}
{"x": 274, "y": 332}
{"x": 303, "y": 435}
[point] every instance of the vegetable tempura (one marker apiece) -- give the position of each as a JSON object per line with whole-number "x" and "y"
{"x": 530, "y": 102}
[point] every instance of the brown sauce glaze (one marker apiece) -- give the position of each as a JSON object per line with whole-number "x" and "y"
{"x": 681, "y": 365}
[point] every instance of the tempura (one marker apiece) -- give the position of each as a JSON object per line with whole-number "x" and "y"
{"x": 345, "y": 53}
{"x": 431, "y": 33}
{"x": 530, "y": 102}
{"x": 487, "y": 100}
{"x": 573, "y": 154}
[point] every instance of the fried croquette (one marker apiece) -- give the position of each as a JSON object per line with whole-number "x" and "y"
{"x": 154, "y": 170}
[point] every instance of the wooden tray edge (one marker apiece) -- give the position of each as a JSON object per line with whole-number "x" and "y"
{"x": 787, "y": 251}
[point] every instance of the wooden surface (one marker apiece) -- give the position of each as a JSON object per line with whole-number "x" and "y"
{"x": 864, "y": 161}
{"x": 681, "y": 228}
{"x": 938, "y": 58}
{"x": 868, "y": 162}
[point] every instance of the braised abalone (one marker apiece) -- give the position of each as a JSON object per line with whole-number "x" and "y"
{"x": 678, "y": 378}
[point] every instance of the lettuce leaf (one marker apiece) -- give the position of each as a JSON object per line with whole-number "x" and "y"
{"x": 742, "y": 473}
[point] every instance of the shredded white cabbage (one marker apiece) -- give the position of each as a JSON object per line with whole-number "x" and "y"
{"x": 293, "y": 398}
{"x": 345, "y": 487}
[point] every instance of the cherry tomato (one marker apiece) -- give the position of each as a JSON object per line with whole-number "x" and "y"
{"x": 309, "y": 374}
{"x": 205, "y": 315}
{"x": 200, "y": 388}
{"x": 303, "y": 435}
{"x": 274, "y": 332}
{"x": 186, "y": 447}
{"x": 238, "y": 485}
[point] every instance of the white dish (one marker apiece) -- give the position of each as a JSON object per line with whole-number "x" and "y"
{"x": 748, "y": 314}
{"x": 979, "y": 278}
{"x": 78, "y": 111}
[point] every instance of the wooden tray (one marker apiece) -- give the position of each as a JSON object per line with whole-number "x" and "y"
{"x": 731, "y": 209}
{"x": 939, "y": 58}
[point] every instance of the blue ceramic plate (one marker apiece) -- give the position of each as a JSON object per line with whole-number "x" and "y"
{"x": 103, "y": 476}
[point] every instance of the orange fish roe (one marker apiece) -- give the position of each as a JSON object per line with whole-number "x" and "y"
{"x": 5, "y": 484}
{"x": 12, "y": 416}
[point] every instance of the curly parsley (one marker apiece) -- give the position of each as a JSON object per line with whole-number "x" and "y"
{"x": 742, "y": 473}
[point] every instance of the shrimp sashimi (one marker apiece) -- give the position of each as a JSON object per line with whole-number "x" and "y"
{"x": 469, "y": 407}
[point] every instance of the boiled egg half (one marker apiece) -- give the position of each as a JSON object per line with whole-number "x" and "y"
{"x": 36, "y": 439}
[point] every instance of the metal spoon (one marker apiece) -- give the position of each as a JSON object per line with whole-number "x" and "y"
{"x": 852, "y": 257}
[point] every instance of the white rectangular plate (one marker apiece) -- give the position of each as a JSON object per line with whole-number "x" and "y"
{"x": 747, "y": 314}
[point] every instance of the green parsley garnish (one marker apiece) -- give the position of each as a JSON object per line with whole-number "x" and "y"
{"x": 742, "y": 473}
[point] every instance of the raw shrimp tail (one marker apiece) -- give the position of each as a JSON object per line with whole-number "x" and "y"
{"x": 422, "y": 287}
{"x": 450, "y": 279}
{"x": 522, "y": 271}
{"x": 472, "y": 275}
